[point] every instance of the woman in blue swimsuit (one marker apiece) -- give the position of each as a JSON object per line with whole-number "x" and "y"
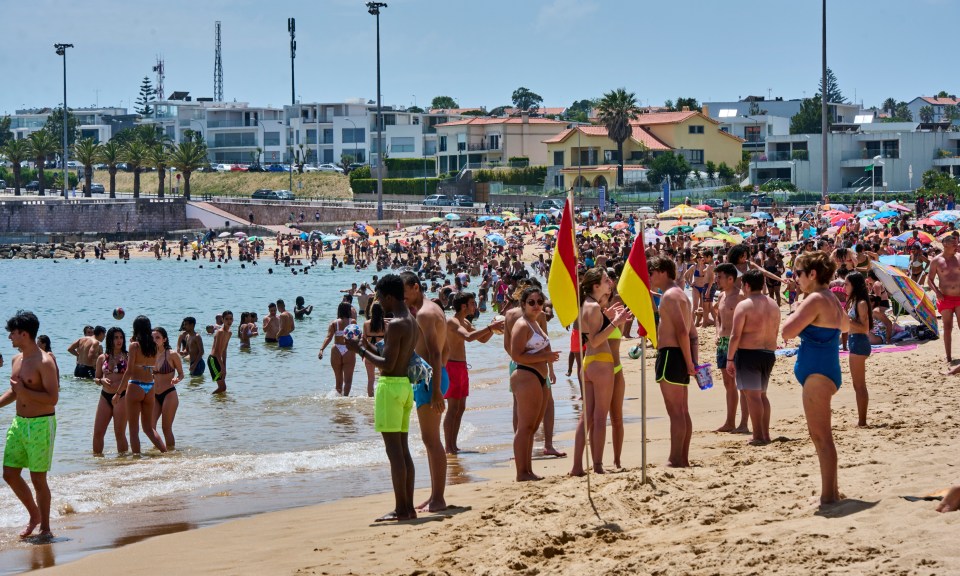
{"x": 137, "y": 383}
{"x": 818, "y": 321}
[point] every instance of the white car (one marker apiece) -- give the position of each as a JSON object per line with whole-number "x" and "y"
{"x": 330, "y": 168}
{"x": 222, "y": 167}
{"x": 645, "y": 210}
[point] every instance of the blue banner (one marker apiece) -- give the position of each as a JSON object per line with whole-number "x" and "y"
{"x": 602, "y": 197}
{"x": 666, "y": 194}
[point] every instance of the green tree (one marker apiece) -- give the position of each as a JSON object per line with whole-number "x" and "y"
{"x": 889, "y": 105}
{"x": 110, "y": 154}
{"x": 526, "y": 100}
{"x": 926, "y": 114}
{"x": 16, "y": 152}
{"x": 615, "y": 111}
{"x": 134, "y": 154}
{"x": 711, "y": 168}
{"x": 725, "y": 173}
{"x": 87, "y": 151}
{"x": 902, "y": 113}
{"x": 808, "y": 119}
{"x": 834, "y": 96}
{"x": 158, "y": 157}
{"x": 943, "y": 94}
{"x": 474, "y": 113}
{"x": 443, "y": 102}
{"x": 499, "y": 111}
{"x": 5, "y": 134}
{"x": 951, "y": 112}
{"x": 54, "y": 126}
{"x": 580, "y": 110}
{"x": 147, "y": 95}
{"x": 415, "y": 109}
{"x": 42, "y": 145}
{"x": 188, "y": 157}
{"x": 149, "y": 134}
{"x": 690, "y": 103}
{"x": 937, "y": 182}
{"x": 755, "y": 109}
{"x": 672, "y": 166}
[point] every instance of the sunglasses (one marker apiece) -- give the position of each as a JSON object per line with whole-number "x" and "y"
{"x": 534, "y": 302}
{"x": 798, "y": 272}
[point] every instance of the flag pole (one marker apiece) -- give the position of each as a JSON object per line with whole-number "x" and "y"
{"x": 583, "y": 397}
{"x": 643, "y": 410}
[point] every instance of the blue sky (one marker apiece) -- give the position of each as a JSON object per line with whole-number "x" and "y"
{"x": 478, "y": 51}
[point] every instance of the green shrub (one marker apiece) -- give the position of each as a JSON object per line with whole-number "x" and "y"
{"x": 407, "y": 186}
{"x": 774, "y": 185}
{"x": 361, "y": 172}
{"x": 518, "y": 161}
{"x": 528, "y": 176}
{"x": 410, "y": 164}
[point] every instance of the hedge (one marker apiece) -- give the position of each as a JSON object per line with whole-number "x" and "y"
{"x": 529, "y": 176}
{"x": 407, "y": 186}
{"x": 359, "y": 173}
{"x": 410, "y": 164}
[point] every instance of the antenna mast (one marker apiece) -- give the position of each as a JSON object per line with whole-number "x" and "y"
{"x": 158, "y": 68}
{"x": 218, "y": 69}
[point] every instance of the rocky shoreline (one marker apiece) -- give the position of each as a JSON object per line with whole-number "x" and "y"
{"x": 62, "y": 250}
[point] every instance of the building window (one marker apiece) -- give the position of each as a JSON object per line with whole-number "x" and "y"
{"x": 494, "y": 142}
{"x": 695, "y": 156}
{"x": 401, "y": 144}
{"x": 429, "y": 148}
{"x": 558, "y": 158}
{"x": 271, "y": 138}
{"x": 751, "y": 133}
{"x": 353, "y": 135}
{"x": 443, "y": 143}
{"x": 234, "y": 139}
{"x": 695, "y": 129}
{"x": 725, "y": 129}
{"x": 311, "y": 136}
{"x": 611, "y": 156}
{"x": 328, "y": 135}
{"x": 328, "y": 156}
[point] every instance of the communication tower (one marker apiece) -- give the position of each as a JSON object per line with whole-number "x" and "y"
{"x": 218, "y": 70}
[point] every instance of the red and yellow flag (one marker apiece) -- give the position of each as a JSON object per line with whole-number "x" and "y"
{"x": 562, "y": 284}
{"x": 634, "y": 290}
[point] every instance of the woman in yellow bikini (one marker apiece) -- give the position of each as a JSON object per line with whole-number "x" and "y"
{"x": 619, "y": 384}
{"x": 598, "y": 365}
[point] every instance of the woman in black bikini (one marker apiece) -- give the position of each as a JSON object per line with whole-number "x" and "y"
{"x": 137, "y": 382}
{"x": 167, "y": 372}
{"x": 110, "y": 368}
{"x": 373, "y": 331}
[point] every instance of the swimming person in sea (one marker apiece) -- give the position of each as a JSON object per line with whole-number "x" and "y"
{"x": 137, "y": 382}
{"x": 217, "y": 361}
{"x": 167, "y": 372}
{"x": 111, "y": 366}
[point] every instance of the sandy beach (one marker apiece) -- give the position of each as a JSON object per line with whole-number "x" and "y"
{"x": 739, "y": 510}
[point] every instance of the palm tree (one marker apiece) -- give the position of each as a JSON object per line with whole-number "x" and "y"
{"x": 889, "y": 105}
{"x": 16, "y": 151}
{"x": 187, "y": 157}
{"x": 615, "y": 110}
{"x": 43, "y": 145}
{"x": 926, "y": 114}
{"x": 87, "y": 152}
{"x": 134, "y": 153}
{"x": 110, "y": 155}
{"x": 158, "y": 156}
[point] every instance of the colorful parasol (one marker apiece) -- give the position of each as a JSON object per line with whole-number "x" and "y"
{"x": 908, "y": 294}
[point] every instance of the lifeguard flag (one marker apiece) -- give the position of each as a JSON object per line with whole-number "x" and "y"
{"x": 634, "y": 290}
{"x": 562, "y": 284}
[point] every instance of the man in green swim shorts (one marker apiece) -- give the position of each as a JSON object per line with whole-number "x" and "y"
{"x": 393, "y": 399}
{"x": 35, "y": 387}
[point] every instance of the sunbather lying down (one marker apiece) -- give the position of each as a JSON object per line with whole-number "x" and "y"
{"x": 949, "y": 499}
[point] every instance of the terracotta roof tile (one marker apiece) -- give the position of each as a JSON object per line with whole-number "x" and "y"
{"x": 602, "y": 168}
{"x": 937, "y": 101}
{"x": 640, "y": 134}
{"x": 663, "y": 118}
{"x": 489, "y": 121}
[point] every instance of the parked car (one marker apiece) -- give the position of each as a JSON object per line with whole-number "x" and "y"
{"x": 32, "y": 186}
{"x": 462, "y": 201}
{"x": 285, "y": 195}
{"x": 221, "y": 167}
{"x": 278, "y": 168}
{"x": 96, "y": 188}
{"x": 330, "y": 168}
{"x": 255, "y": 168}
{"x": 238, "y": 167}
{"x": 3, "y": 184}
{"x": 265, "y": 194}
{"x": 764, "y": 201}
{"x": 714, "y": 203}
{"x": 100, "y": 166}
{"x": 549, "y": 204}
{"x": 437, "y": 200}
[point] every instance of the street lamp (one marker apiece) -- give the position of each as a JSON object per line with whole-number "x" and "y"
{"x": 374, "y": 9}
{"x": 873, "y": 180}
{"x": 793, "y": 167}
{"x": 62, "y": 51}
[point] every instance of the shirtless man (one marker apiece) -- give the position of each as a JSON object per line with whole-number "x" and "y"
{"x": 676, "y": 356}
{"x": 459, "y": 332}
{"x": 750, "y": 357}
{"x": 394, "y": 396}
{"x": 87, "y": 349}
{"x": 432, "y": 347}
{"x": 271, "y": 324}
{"x": 946, "y": 269}
{"x": 190, "y": 344}
{"x": 729, "y": 298}
{"x": 217, "y": 361}
{"x": 284, "y": 339}
{"x": 35, "y": 388}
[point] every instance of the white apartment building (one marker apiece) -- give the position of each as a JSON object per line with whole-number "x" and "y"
{"x": 97, "y": 123}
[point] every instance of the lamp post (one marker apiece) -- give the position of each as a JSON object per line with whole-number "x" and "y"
{"x": 62, "y": 51}
{"x": 873, "y": 180}
{"x": 374, "y": 9}
{"x": 793, "y": 167}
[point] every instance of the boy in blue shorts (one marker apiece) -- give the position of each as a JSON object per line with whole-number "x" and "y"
{"x": 35, "y": 387}
{"x": 393, "y": 400}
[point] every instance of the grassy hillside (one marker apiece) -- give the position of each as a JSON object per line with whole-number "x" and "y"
{"x": 240, "y": 184}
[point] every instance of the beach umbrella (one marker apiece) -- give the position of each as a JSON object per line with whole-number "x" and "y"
{"x": 729, "y": 238}
{"x": 224, "y": 235}
{"x": 551, "y": 227}
{"x": 507, "y": 213}
{"x": 484, "y": 218}
{"x": 737, "y": 220}
{"x": 929, "y": 222}
{"x": 761, "y": 216}
{"x": 329, "y": 238}
{"x": 887, "y": 214}
{"x": 555, "y": 211}
{"x": 750, "y": 222}
{"x": 945, "y": 234}
{"x": 833, "y": 206}
{"x": 869, "y": 224}
{"x": 711, "y": 243}
{"x": 908, "y": 294}
{"x": 944, "y": 217}
{"x": 452, "y": 216}
{"x": 679, "y": 230}
{"x": 240, "y": 234}
{"x": 352, "y": 234}
{"x": 907, "y": 237}
{"x": 895, "y": 206}
{"x": 705, "y": 221}
{"x": 551, "y": 232}
{"x": 867, "y": 213}
{"x": 619, "y": 225}
{"x": 513, "y": 219}
{"x": 462, "y": 234}
{"x": 540, "y": 218}
{"x": 304, "y": 236}
{"x": 653, "y": 232}
{"x": 435, "y": 220}
{"x": 683, "y": 211}
{"x": 877, "y": 203}
{"x": 831, "y": 231}
{"x": 702, "y": 229}
{"x": 254, "y": 239}
{"x": 705, "y": 208}
{"x": 496, "y": 239}
{"x": 585, "y": 214}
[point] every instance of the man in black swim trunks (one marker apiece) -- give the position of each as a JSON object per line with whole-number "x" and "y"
{"x": 191, "y": 343}
{"x": 271, "y": 324}
{"x": 87, "y": 349}
{"x": 676, "y": 356}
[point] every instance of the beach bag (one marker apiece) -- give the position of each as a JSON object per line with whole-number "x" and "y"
{"x": 704, "y": 378}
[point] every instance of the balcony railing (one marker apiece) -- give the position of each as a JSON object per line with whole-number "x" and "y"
{"x": 231, "y": 124}
{"x": 869, "y": 154}
{"x": 946, "y": 153}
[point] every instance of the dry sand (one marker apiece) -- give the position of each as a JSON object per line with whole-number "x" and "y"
{"x": 739, "y": 510}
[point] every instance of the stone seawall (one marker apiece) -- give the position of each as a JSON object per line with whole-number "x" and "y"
{"x": 46, "y": 215}
{"x": 279, "y": 213}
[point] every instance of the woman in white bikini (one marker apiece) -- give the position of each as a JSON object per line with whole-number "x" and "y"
{"x": 342, "y": 360}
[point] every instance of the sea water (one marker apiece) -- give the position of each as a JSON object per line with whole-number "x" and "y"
{"x": 280, "y": 437}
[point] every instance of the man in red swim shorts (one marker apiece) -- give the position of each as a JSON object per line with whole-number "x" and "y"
{"x": 459, "y": 332}
{"x": 944, "y": 280}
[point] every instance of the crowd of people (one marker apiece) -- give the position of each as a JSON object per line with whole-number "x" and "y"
{"x": 410, "y": 324}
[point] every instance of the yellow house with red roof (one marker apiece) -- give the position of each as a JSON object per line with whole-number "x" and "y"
{"x": 589, "y": 157}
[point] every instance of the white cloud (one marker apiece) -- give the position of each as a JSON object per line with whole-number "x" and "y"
{"x": 564, "y": 15}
